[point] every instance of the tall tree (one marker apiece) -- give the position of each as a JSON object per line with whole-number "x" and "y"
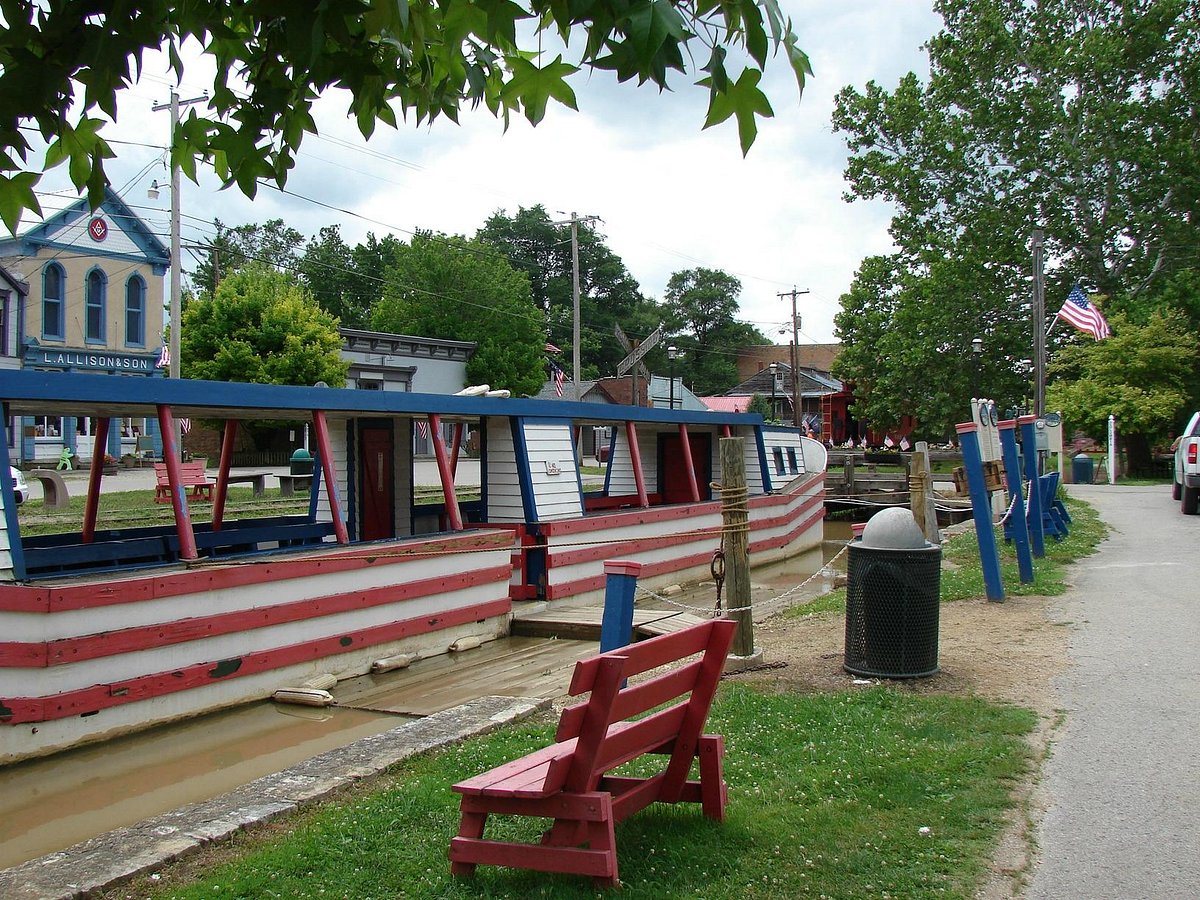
{"x": 62, "y": 60}
{"x": 372, "y": 258}
{"x": 608, "y": 294}
{"x": 271, "y": 243}
{"x": 1139, "y": 376}
{"x": 1070, "y": 116}
{"x": 449, "y": 287}
{"x": 328, "y": 271}
{"x": 260, "y": 326}
{"x": 699, "y": 307}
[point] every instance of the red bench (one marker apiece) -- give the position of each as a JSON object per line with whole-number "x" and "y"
{"x": 569, "y": 781}
{"x": 192, "y": 476}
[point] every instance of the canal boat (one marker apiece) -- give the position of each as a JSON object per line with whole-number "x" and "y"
{"x": 120, "y": 626}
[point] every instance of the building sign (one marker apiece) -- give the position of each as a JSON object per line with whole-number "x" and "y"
{"x": 98, "y": 229}
{"x": 86, "y": 359}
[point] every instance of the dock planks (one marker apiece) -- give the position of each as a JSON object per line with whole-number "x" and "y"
{"x": 582, "y": 623}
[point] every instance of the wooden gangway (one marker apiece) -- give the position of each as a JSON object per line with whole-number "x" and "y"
{"x": 582, "y": 623}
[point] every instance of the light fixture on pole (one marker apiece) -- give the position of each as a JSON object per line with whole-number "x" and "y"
{"x": 672, "y": 355}
{"x": 977, "y": 352}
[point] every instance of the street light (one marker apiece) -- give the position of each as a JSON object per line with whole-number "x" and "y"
{"x": 977, "y": 351}
{"x": 672, "y": 355}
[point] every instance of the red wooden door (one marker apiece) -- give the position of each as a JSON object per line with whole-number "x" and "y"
{"x": 672, "y": 474}
{"x": 376, "y": 484}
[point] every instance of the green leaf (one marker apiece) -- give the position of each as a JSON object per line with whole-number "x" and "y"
{"x": 743, "y": 100}
{"x": 16, "y": 196}
{"x": 533, "y": 86}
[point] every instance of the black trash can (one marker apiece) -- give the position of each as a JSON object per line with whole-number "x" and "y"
{"x": 1082, "y": 469}
{"x": 892, "y": 611}
{"x": 302, "y": 462}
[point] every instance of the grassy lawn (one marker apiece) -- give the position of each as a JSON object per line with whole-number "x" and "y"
{"x": 848, "y": 795}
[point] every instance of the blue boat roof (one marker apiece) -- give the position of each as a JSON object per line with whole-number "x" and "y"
{"x": 35, "y": 392}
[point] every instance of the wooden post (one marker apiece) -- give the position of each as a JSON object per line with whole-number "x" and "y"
{"x": 920, "y": 493}
{"x": 735, "y": 521}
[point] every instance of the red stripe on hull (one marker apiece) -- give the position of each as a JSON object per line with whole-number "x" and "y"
{"x": 19, "y": 710}
{"x": 127, "y": 640}
{"x": 219, "y": 575}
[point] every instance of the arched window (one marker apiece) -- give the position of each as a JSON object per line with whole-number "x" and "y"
{"x": 97, "y": 290}
{"x": 135, "y": 312}
{"x": 53, "y": 289}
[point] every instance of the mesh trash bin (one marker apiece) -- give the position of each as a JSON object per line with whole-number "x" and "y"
{"x": 302, "y": 462}
{"x": 1082, "y": 469}
{"x": 892, "y": 599}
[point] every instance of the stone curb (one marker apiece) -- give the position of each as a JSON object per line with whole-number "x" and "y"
{"x": 97, "y": 864}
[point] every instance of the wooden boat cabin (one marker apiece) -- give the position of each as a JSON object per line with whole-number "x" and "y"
{"x": 119, "y": 626}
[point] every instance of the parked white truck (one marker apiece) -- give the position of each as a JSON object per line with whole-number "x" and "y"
{"x": 1187, "y": 467}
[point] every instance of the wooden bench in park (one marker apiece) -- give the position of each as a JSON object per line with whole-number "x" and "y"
{"x": 191, "y": 476}
{"x": 257, "y": 480}
{"x": 569, "y": 781}
{"x": 54, "y": 489}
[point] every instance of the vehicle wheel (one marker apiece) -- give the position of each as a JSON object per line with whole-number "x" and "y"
{"x": 1189, "y": 500}
{"x": 1176, "y": 489}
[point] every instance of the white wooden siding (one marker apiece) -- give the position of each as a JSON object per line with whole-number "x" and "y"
{"x": 503, "y": 486}
{"x": 6, "y": 566}
{"x": 553, "y": 471}
{"x": 621, "y": 482}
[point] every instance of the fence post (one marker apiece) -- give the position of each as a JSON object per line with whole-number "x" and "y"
{"x": 735, "y": 523}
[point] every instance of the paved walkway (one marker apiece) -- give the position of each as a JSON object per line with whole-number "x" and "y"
{"x": 1122, "y": 786}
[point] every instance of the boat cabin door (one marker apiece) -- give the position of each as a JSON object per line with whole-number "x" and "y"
{"x": 376, "y": 487}
{"x": 672, "y": 479}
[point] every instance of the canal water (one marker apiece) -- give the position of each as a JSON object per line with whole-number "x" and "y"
{"x": 47, "y": 805}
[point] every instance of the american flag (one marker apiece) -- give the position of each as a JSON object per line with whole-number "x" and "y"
{"x": 558, "y": 376}
{"x": 185, "y": 425}
{"x": 164, "y": 357}
{"x": 423, "y": 428}
{"x": 1083, "y": 315}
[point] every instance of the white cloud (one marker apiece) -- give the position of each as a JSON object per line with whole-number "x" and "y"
{"x": 670, "y": 196}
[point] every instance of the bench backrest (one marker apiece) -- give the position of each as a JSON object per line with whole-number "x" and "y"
{"x": 601, "y": 747}
{"x": 190, "y": 472}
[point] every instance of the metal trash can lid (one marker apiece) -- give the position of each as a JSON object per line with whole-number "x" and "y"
{"x": 893, "y": 529}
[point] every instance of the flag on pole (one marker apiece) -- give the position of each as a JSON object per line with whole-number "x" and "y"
{"x": 1083, "y": 315}
{"x": 185, "y": 425}
{"x": 558, "y": 376}
{"x": 164, "y": 357}
{"x": 550, "y": 348}
{"x": 904, "y": 445}
{"x": 423, "y": 428}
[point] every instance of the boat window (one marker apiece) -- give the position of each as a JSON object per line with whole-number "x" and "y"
{"x": 793, "y": 465}
{"x": 779, "y": 468}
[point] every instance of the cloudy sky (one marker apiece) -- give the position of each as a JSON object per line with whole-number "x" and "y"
{"x": 668, "y": 195}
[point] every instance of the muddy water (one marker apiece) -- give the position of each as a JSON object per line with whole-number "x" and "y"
{"x": 49, "y": 804}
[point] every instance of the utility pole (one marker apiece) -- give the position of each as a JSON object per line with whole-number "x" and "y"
{"x": 1039, "y": 327}
{"x": 795, "y": 354}
{"x": 176, "y": 276}
{"x": 574, "y": 223}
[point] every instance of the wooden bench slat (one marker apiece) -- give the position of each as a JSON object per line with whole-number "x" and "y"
{"x": 646, "y": 655}
{"x": 634, "y": 699}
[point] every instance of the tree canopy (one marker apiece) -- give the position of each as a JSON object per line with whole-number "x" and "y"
{"x": 1076, "y": 118}
{"x": 608, "y": 294}
{"x": 455, "y": 289}
{"x": 260, "y": 326}
{"x": 64, "y": 62}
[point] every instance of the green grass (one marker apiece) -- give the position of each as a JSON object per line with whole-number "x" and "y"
{"x": 828, "y": 797}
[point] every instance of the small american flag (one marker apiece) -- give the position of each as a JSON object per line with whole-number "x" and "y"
{"x": 185, "y": 425}
{"x": 904, "y": 445}
{"x": 1083, "y": 315}
{"x": 558, "y": 376}
{"x": 423, "y": 428}
{"x": 164, "y": 357}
